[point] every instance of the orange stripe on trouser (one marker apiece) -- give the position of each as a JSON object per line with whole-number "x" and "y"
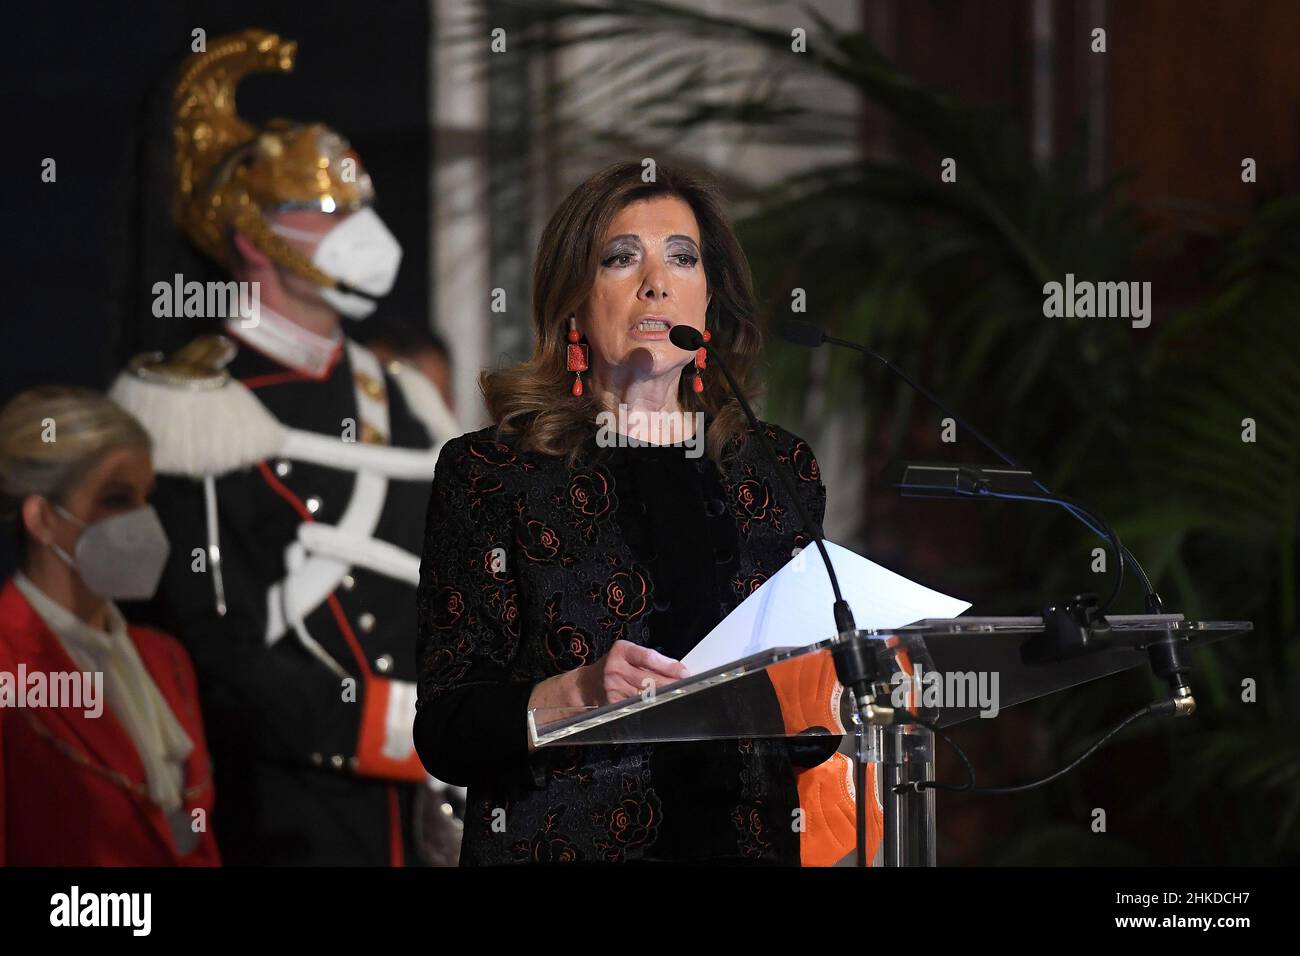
{"x": 806, "y": 689}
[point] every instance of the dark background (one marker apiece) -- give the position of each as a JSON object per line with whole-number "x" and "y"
{"x": 90, "y": 86}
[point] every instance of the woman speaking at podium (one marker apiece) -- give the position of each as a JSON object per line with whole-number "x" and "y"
{"x": 619, "y": 508}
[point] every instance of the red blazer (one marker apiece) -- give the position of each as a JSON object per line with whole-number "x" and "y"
{"x": 70, "y": 786}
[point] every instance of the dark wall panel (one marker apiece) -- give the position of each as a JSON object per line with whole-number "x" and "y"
{"x": 91, "y": 90}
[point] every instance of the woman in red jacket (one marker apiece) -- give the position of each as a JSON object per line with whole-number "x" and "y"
{"x": 102, "y": 755}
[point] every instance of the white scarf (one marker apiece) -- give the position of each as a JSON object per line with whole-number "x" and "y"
{"x": 132, "y": 696}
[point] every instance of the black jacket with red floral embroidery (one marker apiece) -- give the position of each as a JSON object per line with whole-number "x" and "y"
{"x": 526, "y": 574}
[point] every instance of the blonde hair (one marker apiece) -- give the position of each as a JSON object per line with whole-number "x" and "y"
{"x": 51, "y": 437}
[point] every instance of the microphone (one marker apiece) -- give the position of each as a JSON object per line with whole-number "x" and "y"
{"x": 801, "y": 333}
{"x": 690, "y": 339}
{"x": 810, "y": 336}
{"x": 967, "y": 481}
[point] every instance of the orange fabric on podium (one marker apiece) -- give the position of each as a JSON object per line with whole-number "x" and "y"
{"x": 809, "y": 695}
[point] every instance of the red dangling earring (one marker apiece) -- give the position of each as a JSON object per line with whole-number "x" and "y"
{"x": 701, "y": 359}
{"x": 577, "y": 357}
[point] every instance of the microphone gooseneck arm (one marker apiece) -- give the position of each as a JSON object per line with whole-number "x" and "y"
{"x": 688, "y": 338}
{"x": 809, "y": 335}
{"x": 855, "y": 663}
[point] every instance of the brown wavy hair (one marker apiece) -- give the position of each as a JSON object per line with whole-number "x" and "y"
{"x": 531, "y": 400}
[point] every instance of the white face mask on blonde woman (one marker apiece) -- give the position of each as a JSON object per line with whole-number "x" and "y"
{"x": 120, "y": 557}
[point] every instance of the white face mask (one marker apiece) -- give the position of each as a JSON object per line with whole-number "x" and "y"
{"x": 359, "y": 251}
{"x": 121, "y": 557}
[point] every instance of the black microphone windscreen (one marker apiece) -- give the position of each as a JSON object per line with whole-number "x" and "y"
{"x": 801, "y": 333}
{"x": 685, "y": 337}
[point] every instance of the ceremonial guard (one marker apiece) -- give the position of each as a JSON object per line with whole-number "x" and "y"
{"x": 294, "y": 475}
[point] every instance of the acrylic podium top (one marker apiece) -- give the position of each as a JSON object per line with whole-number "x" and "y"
{"x": 792, "y": 691}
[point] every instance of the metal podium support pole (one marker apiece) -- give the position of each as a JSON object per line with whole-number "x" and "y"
{"x": 893, "y": 803}
{"x": 904, "y": 753}
{"x": 927, "y": 841}
{"x": 908, "y": 756}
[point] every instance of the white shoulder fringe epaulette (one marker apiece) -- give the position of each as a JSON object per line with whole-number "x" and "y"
{"x": 201, "y": 432}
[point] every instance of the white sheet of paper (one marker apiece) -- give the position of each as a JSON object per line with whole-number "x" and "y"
{"x": 793, "y": 608}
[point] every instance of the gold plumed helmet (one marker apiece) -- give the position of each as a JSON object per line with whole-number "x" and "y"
{"x": 228, "y": 173}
